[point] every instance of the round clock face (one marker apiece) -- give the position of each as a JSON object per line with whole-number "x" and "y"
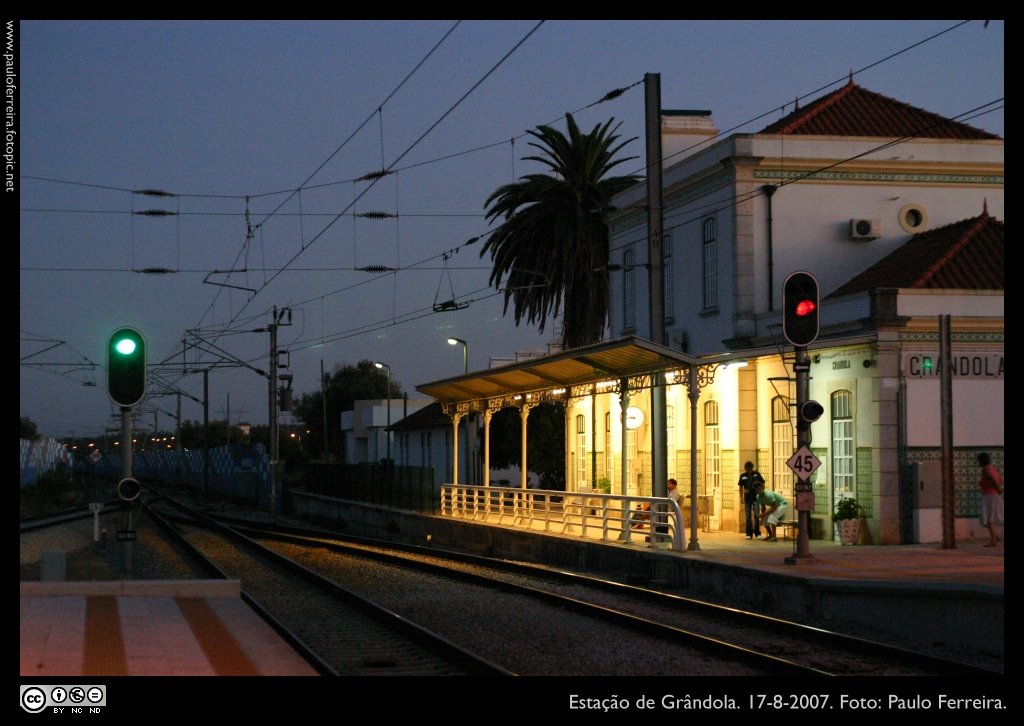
{"x": 634, "y": 417}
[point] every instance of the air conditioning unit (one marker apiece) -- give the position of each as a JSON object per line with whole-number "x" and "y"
{"x": 865, "y": 228}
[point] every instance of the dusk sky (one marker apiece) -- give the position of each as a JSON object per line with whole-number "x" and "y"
{"x": 281, "y": 119}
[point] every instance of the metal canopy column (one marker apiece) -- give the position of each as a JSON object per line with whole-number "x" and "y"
{"x": 524, "y": 414}
{"x": 456, "y": 417}
{"x": 487, "y": 445}
{"x": 697, "y": 378}
{"x": 623, "y": 405}
{"x": 593, "y": 435}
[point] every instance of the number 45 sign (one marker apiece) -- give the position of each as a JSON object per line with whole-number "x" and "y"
{"x": 803, "y": 463}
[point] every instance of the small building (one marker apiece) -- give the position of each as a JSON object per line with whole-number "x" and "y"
{"x": 364, "y": 429}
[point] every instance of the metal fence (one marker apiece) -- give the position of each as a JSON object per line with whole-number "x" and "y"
{"x": 654, "y": 521}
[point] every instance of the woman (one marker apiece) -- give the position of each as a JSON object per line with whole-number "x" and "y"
{"x": 991, "y": 485}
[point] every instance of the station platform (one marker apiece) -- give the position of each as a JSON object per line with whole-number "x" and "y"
{"x": 148, "y": 628}
{"x": 969, "y": 563}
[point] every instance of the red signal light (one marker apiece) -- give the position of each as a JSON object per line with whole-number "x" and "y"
{"x": 800, "y": 308}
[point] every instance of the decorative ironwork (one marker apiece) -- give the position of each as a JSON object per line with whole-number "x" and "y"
{"x": 582, "y": 390}
{"x": 705, "y": 377}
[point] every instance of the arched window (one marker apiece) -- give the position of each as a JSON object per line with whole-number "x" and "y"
{"x": 609, "y": 458}
{"x": 712, "y": 448}
{"x": 842, "y": 445}
{"x": 581, "y": 449}
{"x": 783, "y": 446}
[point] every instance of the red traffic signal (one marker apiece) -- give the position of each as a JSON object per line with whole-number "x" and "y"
{"x": 805, "y": 307}
{"x": 800, "y": 309}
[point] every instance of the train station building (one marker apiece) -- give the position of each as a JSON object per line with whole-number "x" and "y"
{"x": 897, "y": 212}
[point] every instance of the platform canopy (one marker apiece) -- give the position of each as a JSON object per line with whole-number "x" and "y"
{"x": 622, "y": 358}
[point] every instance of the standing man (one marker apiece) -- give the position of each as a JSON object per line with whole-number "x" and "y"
{"x": 677, "y": 496}
{"x": 748, "y": 480}
{"x": 673, "y": 493}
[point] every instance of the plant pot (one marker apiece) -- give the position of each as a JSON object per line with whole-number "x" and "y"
{"x": 849, "y": 529}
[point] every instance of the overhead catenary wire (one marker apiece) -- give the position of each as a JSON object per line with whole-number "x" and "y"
{"x": 611, "y": 95}
{"x": 347, "y": 140}
{"x": 809, "y": 94}
{"x": 408, "y": 149}
{"x": 310, "y": 186}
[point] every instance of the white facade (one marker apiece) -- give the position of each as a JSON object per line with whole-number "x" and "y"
{"x": 947, "y": 181}
{"x": 364, "y": 428}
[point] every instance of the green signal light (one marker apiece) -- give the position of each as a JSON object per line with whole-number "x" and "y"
{"x": 126, "y": 366}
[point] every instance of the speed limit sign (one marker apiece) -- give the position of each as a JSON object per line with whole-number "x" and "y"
{"x": 803, "y": 463}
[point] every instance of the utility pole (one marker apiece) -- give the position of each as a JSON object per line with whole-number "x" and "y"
{"x": 273, "y": 417}
{"x": 206, "y": 432}
{"x": 177, "y": 445}
{"x": 274, "y": 443}
{"x": 656, "y": 281}
{"x": 946, "y": 431}
{"x": 323, "y": 400}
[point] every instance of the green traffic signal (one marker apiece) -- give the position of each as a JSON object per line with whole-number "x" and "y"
{"x": 126, "y": 367}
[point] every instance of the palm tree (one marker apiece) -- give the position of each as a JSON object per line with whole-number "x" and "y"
{"x": 552, "y": 248}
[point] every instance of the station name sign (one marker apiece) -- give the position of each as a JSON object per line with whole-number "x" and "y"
{"x": 962, "y": 365}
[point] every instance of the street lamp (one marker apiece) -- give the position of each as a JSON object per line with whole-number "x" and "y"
{"x": 386, "y": 367}
{"x": 470, "y": 456}
{"x": 465, "y": 352}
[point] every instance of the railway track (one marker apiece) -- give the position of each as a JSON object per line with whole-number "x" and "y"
{"x": 503, "y": 609}
{"x": 820, "y": 651}
{"x": 528, "y": 632}
{"x": 339, "y": 632}
{"x": 52, "y": 519}
{"x": 529, "y": 619}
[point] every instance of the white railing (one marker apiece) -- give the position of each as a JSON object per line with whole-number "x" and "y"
{"x": 653, "y": 521}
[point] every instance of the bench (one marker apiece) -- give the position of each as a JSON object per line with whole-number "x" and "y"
{"x": 790, "y": 528}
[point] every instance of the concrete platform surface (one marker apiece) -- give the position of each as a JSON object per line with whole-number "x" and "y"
{"x": 148, "y": 628}
{"x": 968, "y": 563}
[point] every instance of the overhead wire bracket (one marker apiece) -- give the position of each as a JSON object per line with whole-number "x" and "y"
{"x": 451, "y": 303}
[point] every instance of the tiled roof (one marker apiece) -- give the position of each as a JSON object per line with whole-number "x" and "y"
{"x": 856, "y": 111}
{"x": 428, "y": 417}
{"x": 965, "y": 255}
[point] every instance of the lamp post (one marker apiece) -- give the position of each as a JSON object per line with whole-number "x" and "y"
{"x": 386, "y": 367}
{"x": 465, "y": 352}
{"x": 470, "y": 454}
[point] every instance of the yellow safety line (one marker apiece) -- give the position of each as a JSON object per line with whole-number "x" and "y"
{"x": 104, "y": 646}
{"x": 221, "y": 649}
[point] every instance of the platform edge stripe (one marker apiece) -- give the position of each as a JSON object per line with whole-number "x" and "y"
{"x": 104, "y": 644}
{"x": 221, "y": 649}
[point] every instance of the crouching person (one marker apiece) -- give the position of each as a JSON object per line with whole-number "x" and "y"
{"x": 773, "y": 509}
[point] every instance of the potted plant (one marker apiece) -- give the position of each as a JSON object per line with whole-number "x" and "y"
{"x": 847, "y": 518}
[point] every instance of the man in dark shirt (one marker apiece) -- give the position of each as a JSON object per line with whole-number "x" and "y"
{"x": 748, "y": 480}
